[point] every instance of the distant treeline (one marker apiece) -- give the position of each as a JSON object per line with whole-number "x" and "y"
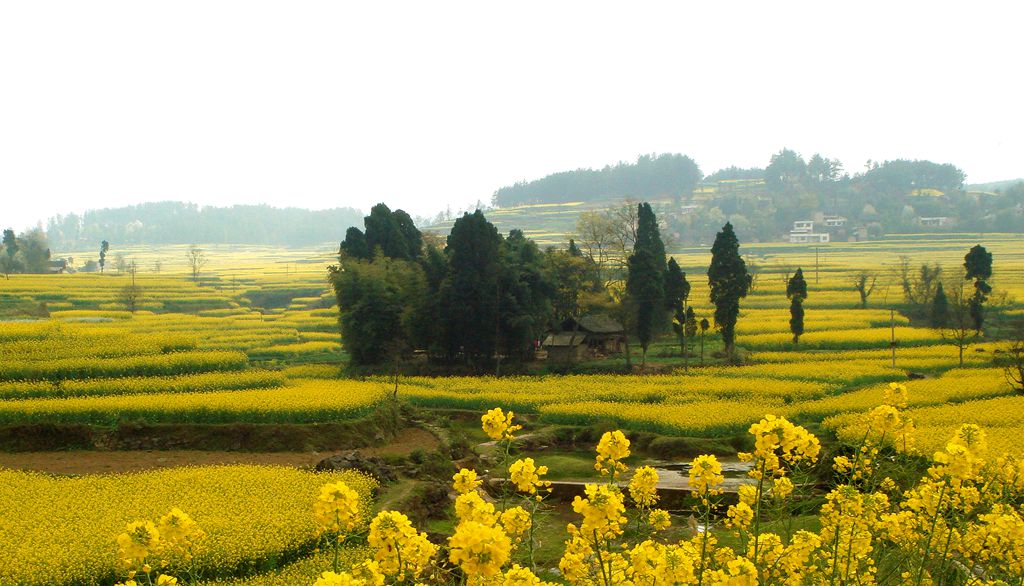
{"x": 896, "y": 196}
{"x": 675, "y": 175}
{"x": 183, "y": 223}
{"x": 650, "y": 177}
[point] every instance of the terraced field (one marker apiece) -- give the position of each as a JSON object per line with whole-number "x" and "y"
{"x": 253, "y": 345}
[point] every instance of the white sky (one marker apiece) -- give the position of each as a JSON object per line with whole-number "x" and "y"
{"x": 423, "y": 104}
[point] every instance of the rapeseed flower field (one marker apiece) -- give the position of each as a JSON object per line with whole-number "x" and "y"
{"x": 255, "y": 341}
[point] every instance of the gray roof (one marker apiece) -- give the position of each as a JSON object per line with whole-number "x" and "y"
{"x": 565, "y": 339}
{"x": 600, "y": 324}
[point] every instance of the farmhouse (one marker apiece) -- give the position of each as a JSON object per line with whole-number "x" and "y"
{"x": 593, "y": 334}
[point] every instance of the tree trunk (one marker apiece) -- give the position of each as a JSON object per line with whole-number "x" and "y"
{"x": 629, "y": 357}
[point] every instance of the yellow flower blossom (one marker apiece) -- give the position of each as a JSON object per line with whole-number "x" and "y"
{"x": 465, "y": 481}
{"x": 472, "y": 507}
{"x": 659, "y": 519}
{"x": 611, "y": 450}
{"x": 705, "y": 476}
{"x": 478, "y": 549}
{"x": 643, "y": 487}
{"x": 516, "y": 521}
{"x": 602, "y": 510}
{"x": 498, "y": 426}
{"x": 337, "y": 508}
{"x": 739, "y": 516}
{"x": 139, "y": 539}
{"x": 525, "y": 474}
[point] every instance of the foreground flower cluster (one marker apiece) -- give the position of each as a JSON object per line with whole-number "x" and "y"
{"x": 961, "y": 523}
{"x": 148, "y": 548}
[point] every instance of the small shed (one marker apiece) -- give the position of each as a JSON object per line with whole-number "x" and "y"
{"x": 57, "y": 266}
{"x": 566, "y": 346}
{"x": 603, "y": 334}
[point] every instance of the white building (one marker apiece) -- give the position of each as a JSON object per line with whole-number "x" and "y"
{"x": 803, "y": 226}
{"x": 835, "y": 221}
{"x": 936, "y": 222}
{"x": 803, "y": 233}
{"x": 808, "y": 237}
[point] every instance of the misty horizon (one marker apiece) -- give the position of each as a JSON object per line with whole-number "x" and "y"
{"x": 426, "y": 107}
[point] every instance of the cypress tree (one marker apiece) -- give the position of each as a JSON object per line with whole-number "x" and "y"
{"x": 978, "y": 263}
{"x": 940, "y": 309}
{"x": 677, "y": 288}
{"x": 354, "y": 244}
{"x": 796, "y": 291}
{"x": 469, "y": 291}
{"x": 645, "y": 283}
{"x": 383, "y": 231}
{"x": 411, "y": 235}
{"x": 796, "y": 319}
{"x": 104, "y": 247}
{"x": 704, "y": 327}
{"x": 729, "y": 282}
{"x": 691, "y": 325}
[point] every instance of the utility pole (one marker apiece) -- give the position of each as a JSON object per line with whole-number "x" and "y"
{"x": 816, "y": 249}
{"x": 892, "y": 335}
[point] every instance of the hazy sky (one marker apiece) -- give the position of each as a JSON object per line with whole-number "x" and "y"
{"x": 422, "y": 104}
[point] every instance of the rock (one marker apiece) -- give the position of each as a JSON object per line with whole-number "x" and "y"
{"x": 353, "y": 460}
{"x": 469, "y": 462}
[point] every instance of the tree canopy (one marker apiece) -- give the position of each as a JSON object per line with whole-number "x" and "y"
{"x": 729, "y": 282}
{"x": 172, "y": 222}
{"x": 645, "y": 282}
{"x": 650, "y": 176}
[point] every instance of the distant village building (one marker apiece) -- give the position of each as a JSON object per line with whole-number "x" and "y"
{"x": 803, "y": 233}
{"x": 803, "y": 226}
{"x": 590, "y": 335}
{"x": 935, "y": 222}
{"x": 57, "y": 266}
{"x": 835, "y": 221}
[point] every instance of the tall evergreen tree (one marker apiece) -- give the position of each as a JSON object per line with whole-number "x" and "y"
{"x": 978, "y": 263}
{"x": 645, "y": 283}
{"x": 729, "y": 282}
{"x": 10, "y": 243}
{"x": 410, "y": 234}
{"x": 354, "y": 244}
{"x": 704, "y": 327}
{"x": 940, "y": 309}
{"x": 796, "y": 291}
{"x": 8, "y": 263}
{"x": 377, "y": 301}
{"x": 525, "y": 294}
{"x": 677, "y": 291}
{"x": 677, "y": 288}
{"x": 691, "y": 326}
{"x": 470, "y": 291}
{"x": 104, "y": 247}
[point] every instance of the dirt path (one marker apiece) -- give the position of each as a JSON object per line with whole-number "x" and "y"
{"x": 103, "y": 462}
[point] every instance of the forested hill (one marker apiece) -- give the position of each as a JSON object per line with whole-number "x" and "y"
{"x": 185, "y": 223}
{"x": 651, "y": 177}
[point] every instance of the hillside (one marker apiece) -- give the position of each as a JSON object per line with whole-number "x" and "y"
{"x": 890, "y": 197}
